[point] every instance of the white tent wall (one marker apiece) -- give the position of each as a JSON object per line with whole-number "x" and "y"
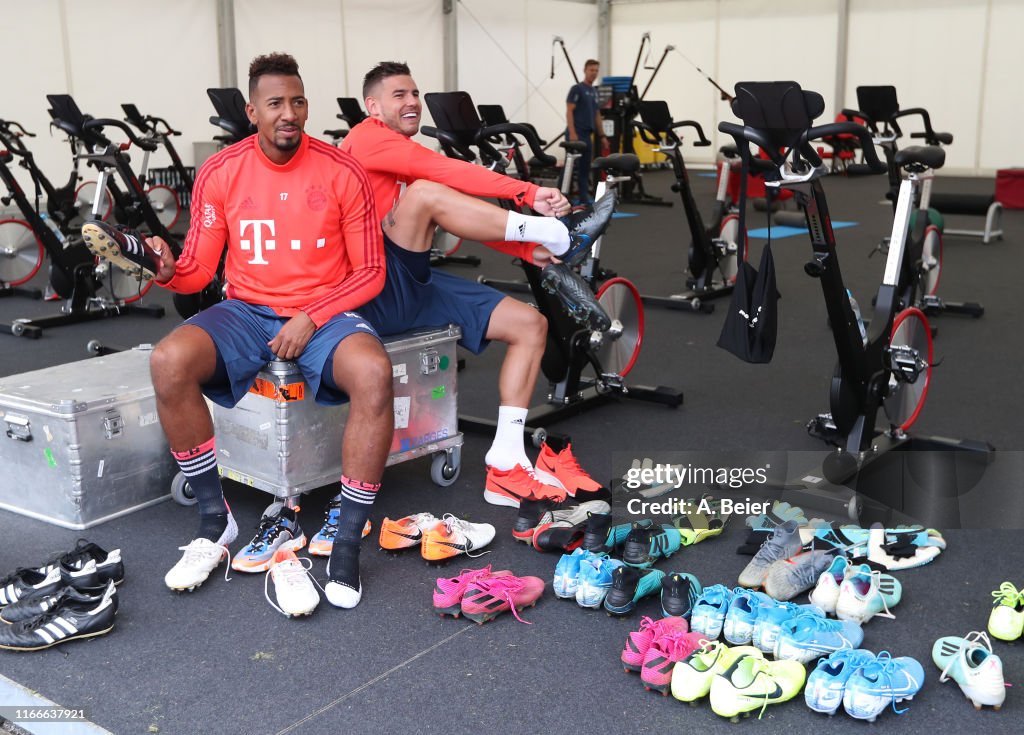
{"x": 164, "y": 66}
{"x": 731, "y": 40}
{"x": 1003, "y": 99}
{"x": 933, "y": 52}
{"x": 504, "y": 56}
{"x": 41, "y": 70}
{"x": 337, "y": 41}
{"x": 765, "y": 39}
{"x": 958, "y": 58}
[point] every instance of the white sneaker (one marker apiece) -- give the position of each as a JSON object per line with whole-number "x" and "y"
{"x": 201, "y": 557}
{"x": 453, "y": 536}
{"x": 866, "y": 593}
{"x": 293, "y": 587}
{"x": 574, "y": 514}
{"x": 969, "y": 662}
{"x": 826, "y": 593}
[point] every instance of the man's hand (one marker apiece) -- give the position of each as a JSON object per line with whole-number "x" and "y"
{"x": 606, "y": 146}
{"x": 551, "y": 202}
{"x": 542, "y": 257}
{"x": 167, "y": 262}
{"x": 293, "y": 337}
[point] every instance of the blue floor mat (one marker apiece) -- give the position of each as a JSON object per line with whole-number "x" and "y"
{"x": 781, "y": 231}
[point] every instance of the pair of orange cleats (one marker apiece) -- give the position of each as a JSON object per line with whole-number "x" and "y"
{"x": 511, "y": 487}
{"x": 439, "y": 539}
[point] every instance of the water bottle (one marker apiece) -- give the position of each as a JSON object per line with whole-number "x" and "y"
{"x": 860, "y": 320}
{"x": 54, "y": 228}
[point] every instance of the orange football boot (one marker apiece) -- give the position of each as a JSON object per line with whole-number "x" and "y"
{"x": 511, "y": 487}
{"x": 567, "y": 470}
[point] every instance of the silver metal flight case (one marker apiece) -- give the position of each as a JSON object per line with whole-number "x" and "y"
{"x": 80, "y": 443}
{"x": 277, "y": 439}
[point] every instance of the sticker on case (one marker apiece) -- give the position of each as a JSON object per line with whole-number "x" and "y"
{"x": 284, "y": 393}
{"x": 403, "y": 404}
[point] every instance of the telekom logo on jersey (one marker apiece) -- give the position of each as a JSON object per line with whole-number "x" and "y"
{"x": 259, "y": 244}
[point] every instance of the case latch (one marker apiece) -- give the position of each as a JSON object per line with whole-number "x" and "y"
{"x": 18, "y": 427}
{"x": 113, "y": 425}
{"x": 429, "y": 361}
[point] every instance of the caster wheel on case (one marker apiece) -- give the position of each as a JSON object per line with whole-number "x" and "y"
{"x": 446, "y": 466}
{"x": 181, "y": 491}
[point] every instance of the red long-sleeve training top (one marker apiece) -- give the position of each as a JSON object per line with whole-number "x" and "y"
{"x": 303, "y": 236}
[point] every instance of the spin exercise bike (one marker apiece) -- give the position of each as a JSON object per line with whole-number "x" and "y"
{"x": 891, "y": 369}
{"x": 716, "y": 249}
{"x": 166, "y": 200}
{"x": 74, "y": 273}
{"x": 922, "y": 270}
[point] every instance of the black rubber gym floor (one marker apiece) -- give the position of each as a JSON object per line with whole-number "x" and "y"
{"x": 221, "y": 660}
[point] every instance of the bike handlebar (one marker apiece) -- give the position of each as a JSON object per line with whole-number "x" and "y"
{"x": 926, "y": 119}
{"x": 168, "y": 129}
{"x": 100, "y": 123}
{"x": 21, "y": 129}
{"x": 745, "y": 135}
{"x": 450, "y": 142}
{"x": 703, "y": 142}
{"x": 147, "y": 123}
{"x": 650, "y": 136}
{"x": 507, "y": 128}
{"x": 851, "y": 128}
{"x": 647, "y": 133}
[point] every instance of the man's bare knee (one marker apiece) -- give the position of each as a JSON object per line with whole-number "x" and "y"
{"x": 536, "y": 325}
{"x": 516, "y": 323}
{"x": 371, "y": 387}
{"x": 423, "y": 192}
{"x": 362, "y": 369}
{"x": 180, "y": 360}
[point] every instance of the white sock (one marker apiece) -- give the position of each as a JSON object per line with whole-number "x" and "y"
{"x": 546, "y": 231}
{"x": 507, "y": 450}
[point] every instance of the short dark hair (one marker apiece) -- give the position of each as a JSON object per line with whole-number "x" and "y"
{"x": 382, "y": 71}
{"x": 591, "y": 62}
{"x": 275, "y": 63}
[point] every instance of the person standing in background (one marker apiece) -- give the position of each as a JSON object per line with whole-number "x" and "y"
{"x": 583, "y": 121}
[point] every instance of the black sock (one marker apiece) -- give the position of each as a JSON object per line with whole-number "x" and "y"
{"x": 199, "y": 466}
{"x": 212, "y": 527}
{"x": 356, "y": 499}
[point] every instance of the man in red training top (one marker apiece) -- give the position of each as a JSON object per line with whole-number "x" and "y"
{"x": 416, "y": 190}
{"x": 304, "y": 250}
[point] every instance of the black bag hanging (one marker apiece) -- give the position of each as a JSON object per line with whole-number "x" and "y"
{"x": 751, "y": 322}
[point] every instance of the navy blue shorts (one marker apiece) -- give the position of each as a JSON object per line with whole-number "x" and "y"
{"x": 406, "y": 303}
{"x": 241, "y": 331}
